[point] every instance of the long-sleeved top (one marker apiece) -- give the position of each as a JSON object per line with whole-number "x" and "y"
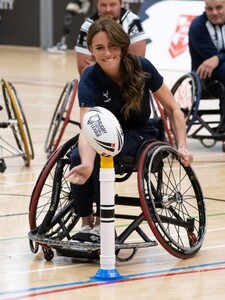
{"x": 205, "y": 40}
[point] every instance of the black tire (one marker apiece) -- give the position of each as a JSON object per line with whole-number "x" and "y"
{"x": 159, "y": 112}
{"x": 172, "y": 200}
{"x": 18, "y": 122}
{"x": 61, "y": 117}
{"x": 51, "y": 210}
{"x": 187, "y": 93}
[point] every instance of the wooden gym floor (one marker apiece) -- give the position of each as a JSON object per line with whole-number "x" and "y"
{"x": 39, "y": 78}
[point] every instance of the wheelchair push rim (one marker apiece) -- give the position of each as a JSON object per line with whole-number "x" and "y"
{"x": 172, "y": 201}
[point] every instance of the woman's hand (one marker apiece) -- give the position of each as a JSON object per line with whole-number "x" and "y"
{"x": 79, "y": 174}
{"x": 185, "y": 156}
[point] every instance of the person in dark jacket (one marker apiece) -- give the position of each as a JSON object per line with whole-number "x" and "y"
{"x": 207, "y": 46}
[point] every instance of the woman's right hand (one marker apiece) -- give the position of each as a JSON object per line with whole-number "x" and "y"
{"x": 79, "y": 174}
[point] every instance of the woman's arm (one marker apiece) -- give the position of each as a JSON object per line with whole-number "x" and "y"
{"x": 81, "y": 173}
{"x": 177, "y": 122}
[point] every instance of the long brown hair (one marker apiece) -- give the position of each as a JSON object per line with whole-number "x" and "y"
{"x": 131, "y": 73}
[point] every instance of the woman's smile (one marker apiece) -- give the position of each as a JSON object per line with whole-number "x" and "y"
{"x": 106, "y": 54}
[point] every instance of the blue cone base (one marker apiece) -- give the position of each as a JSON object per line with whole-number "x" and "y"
{"x": 107, "y": 275}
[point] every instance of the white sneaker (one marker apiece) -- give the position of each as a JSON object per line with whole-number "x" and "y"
{"x": 85, "y": 5}
{"x": 85, "y": 229}
{"x": 58, "y": 49}
{"x": 87, "y": 235}
{"x": 96, "y": 230}
{"x": 79, "y": 6}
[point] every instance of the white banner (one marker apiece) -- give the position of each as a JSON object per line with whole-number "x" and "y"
{"x": 167, "y": 25}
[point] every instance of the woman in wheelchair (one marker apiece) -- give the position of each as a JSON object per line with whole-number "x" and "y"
{"x": 119, "y": 82}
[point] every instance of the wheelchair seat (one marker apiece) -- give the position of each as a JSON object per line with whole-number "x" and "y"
{"x": 169, "y": 200}
{"x": 202, "y": 103}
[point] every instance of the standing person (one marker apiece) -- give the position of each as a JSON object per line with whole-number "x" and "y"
{"x": 207, "y": 46}
{"x": 126, "y": 80}
{"x": 130, "y": 22}
{"x": 73, "y": 7}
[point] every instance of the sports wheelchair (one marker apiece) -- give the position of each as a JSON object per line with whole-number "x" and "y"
{"x": 61, "y": 116}
{"x": 169, "y": 200}
{"x": 18, "y": 124}
{"x": 200, "y": 102}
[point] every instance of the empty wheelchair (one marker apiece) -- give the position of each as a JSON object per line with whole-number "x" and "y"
{"x": 200, "y": 102}
{"x": 169, "y": 202}
{"x": 61, "y": 116}
{"x": 21, "y": 144}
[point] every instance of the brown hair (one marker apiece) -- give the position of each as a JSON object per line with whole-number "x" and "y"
{"x": 131, "y": 72}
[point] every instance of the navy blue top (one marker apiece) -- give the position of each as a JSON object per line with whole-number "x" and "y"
{"x": 97, "y": 89}
{"x": 205, "y": 41}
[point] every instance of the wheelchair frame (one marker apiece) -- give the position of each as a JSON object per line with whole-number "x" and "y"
{"x": 61, "y": 116}
{"x": 170, "y": 200}
{"x": 190, "y": 92}
{"x": 18, "y": 124}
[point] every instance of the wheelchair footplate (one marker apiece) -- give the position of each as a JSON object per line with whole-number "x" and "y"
{"x": 71, "y": 248}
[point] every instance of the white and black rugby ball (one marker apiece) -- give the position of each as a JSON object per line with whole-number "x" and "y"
{"x": 103, "y": 131}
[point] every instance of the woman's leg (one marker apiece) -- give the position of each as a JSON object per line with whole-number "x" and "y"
{"x": 84, "y": 195}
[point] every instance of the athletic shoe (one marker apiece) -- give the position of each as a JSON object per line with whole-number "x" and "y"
{"x": 96, "y": 230}
{"x": 87, "y": 235}
{"x": 58, "y": 49}
{"x": 85, "y": 5}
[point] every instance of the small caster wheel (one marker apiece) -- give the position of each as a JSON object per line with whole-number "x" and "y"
{"x": 34, "y": 246}
{"x": 2, "y": 166}
{"x": 48, "y": 253}
{"x": 223, "y": 146}
{"x": 192, "y": 238}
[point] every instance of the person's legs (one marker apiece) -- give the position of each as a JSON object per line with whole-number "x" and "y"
{"x": 84, "y": 195}
{"x": 73, "y": 8}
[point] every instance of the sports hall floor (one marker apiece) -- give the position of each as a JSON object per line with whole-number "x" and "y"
{"x": 153, "y": 273}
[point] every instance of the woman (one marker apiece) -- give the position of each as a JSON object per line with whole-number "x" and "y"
{"x": 120, "y": 82}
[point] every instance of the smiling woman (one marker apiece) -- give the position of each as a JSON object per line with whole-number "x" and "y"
{"x": 120, "y": 82}
{"x": 107, "y": 55}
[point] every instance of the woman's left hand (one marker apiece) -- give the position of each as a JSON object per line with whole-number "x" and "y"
{"x": 185, "y": 156}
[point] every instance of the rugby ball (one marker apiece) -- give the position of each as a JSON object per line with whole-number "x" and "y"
{"x": 103, "y": 131}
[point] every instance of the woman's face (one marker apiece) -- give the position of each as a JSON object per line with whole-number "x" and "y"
{"x": 106, "y": 54}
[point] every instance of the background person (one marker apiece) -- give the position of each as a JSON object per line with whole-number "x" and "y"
{"x": 73, "y": 7}
{"x": 130, "y": 22}
{"x": 120, "y": 82}
{"x": 207, "y": 46}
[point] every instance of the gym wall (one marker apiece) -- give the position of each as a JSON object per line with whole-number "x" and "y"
{"x": 20, "y": 21}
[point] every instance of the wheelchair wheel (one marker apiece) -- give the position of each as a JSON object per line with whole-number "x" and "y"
{"x": 51, "y": 209}
{"x": 61, "y": 116}
{"x": 168, "y": 132}
{"x": 172, "y": 200}
{"x": 18, "y": 121}
{"x": 187, "y": 92}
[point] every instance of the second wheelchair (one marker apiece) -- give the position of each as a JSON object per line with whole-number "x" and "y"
{"x": 200, "y": 101}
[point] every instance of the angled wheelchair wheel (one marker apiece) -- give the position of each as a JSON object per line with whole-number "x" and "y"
{"x": 51, "y": 210}
{"x": 172, "y": 200}
{"x": 187, "y": 92}
{"x": 18, "y": 122}
{"x": 159, "y": 112}
{"x": 61, "y": 117}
